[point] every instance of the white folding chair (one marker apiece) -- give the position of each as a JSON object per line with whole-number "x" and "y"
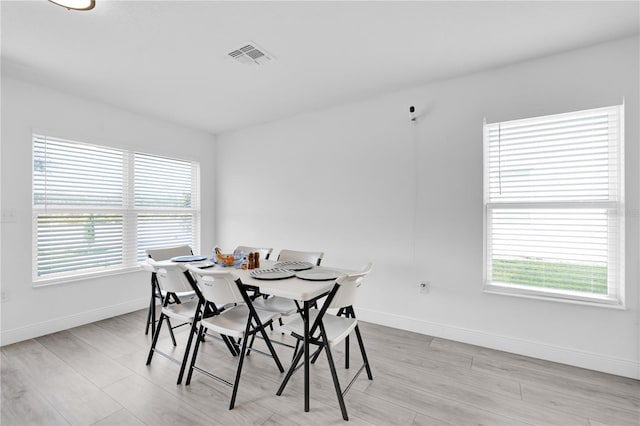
{"x": 313, "y": 257}
{"x": 173, "y": 280}
{"x": 282, "y": 305}
{"x": 328, "y": 330}
{"x": 157, "y": 254}
{"x": 240, "y": 322}
{"x": 265, "y": 252}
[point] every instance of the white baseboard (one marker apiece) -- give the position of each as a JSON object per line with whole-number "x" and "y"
{"x": 593, "y": 361}
{"x": 63, "y": 323}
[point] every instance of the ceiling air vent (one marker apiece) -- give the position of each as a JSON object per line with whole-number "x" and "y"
{"x": 250, "y": 54}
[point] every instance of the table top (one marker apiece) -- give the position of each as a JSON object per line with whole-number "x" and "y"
{"x": 291, "y": 288}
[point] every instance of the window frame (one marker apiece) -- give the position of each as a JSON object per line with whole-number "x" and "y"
{"x": 613, "y": 299}
{"x": 128, "y": 211}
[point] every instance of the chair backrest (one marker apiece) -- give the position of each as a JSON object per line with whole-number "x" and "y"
{"x": 265, "y": 252}
{"x": 171, "y": 278}
{"x": 166, "y": 253}
{"x": 314, "y": 257}
{"x": 218, "y": 287}
{"x": 349, "y": 284}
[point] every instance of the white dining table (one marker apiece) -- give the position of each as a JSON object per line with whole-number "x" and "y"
{"x": 293, "y": 288}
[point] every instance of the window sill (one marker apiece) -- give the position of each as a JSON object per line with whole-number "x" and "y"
{"x": 601, "y": 302}
{"x": 46, "y": 282}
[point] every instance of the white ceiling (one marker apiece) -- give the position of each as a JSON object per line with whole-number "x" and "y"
{"x": 168, "y": 59}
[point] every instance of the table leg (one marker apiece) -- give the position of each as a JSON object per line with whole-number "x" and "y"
{"x": 306, "y": 355}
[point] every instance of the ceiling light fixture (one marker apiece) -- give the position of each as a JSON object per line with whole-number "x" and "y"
{"x": 75, "y": 4}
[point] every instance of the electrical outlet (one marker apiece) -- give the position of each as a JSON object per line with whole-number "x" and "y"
{"x": 424, "y": 287}
{"x": 4, "y": 297}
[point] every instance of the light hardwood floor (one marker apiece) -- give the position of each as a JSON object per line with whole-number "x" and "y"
{"x": 96, "y": 375}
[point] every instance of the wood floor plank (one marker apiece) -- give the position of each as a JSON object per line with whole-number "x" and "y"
{"x": 71, "y": 394}
{"x": 477, "y": 396}
{"x": 84, "y": 359}
{"x": 16, "y": 349}
{"x": 570, "y": 403}
{"x": 122, "y": 417}
{"x": 290, "y": 406}
{"x": 536, "y": 369}
{"x": 422, "y": 420}
{"x": 465, "y": 348}
{"x": 278, "y": 420}
{"x": 501, "y": 385}
{"x": 372, "y": 330}
{"x": 22, "y": 402}
{"x": 573, "y": 376}
{"x": 153, "y": 405}
{"x": 108, "y": 343}
{"x": 128, "y": 327}
{"x": 451, "y": 411}
{"x": 378, "y": 411}
{"x": 596, "y": 423}
{"x": 624, "y": 395}
{"x": 415, "y": 351}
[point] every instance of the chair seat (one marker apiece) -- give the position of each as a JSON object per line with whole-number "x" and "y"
{"x": 233, "y": 322}
{"x": 337, "y": 328}
{"x": 182, "y": 295}
{"x": 182, "y": 311}
{"x": 284, "y": 306}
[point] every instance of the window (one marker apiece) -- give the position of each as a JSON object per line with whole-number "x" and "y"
{"x": 554, "y": 206}
{"x": 97, "y": 209}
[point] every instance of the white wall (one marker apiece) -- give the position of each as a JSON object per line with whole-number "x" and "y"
{"x": 31, "y": 311}
{"x": 343, "y": 180}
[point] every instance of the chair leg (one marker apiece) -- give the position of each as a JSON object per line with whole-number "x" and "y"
{"x": 346, "y": 352}
{"x": 238, "y": 372}
{"x": 295, "y": 351}
{"x": 315, "y": 357}
{"x": 345, "y": 312}
{"x": 294, "y": 365}
{"x": 230, "y": 344}
{"x": 155, "y": 339}
{"x": 253, "y": 338}
{"x": 173, "y": 338}
{"x": 195, "y": 354}
{"x": 150, "y": 319}
{"x": 317, "y": 354}
{"x": 272, "y": 350}
{"x": 334, "y": 375}
{"x": 192, "y": 332}
{"x": 151, "y": 316}
{"x": 364, "y": 354}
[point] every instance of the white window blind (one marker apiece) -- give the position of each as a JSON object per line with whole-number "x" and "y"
{"x": 554, "y": 206}
{"x": 167, "y": 203}
{"x": 97, "y": 209}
